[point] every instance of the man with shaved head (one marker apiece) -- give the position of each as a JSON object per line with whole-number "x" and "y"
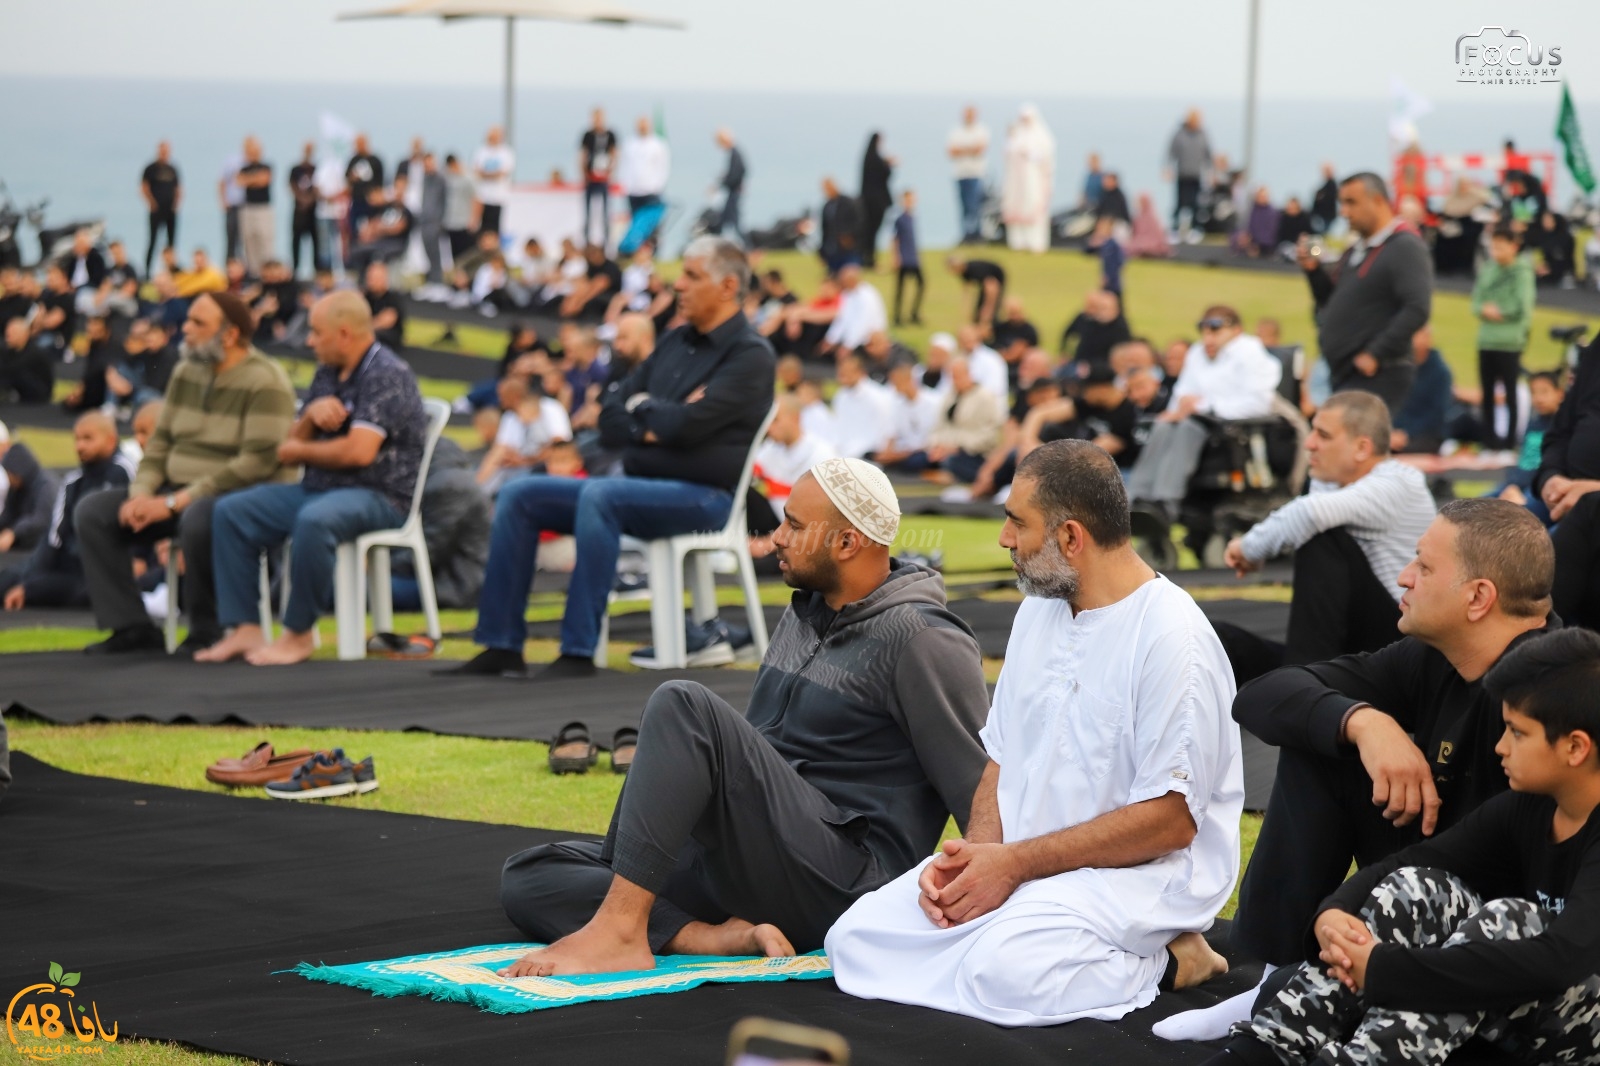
{"x": 53, "y": 575}
{"x": 360, "y": 438}
{"x": 227, "y": 408}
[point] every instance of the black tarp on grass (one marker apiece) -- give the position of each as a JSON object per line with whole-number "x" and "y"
{"x": 178, "y": 907}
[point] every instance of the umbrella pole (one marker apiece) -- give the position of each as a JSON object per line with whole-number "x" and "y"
{"x": 511, "y": 80}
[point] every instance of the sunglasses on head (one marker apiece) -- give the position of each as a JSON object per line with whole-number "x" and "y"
{"x": 1213, "y": 323}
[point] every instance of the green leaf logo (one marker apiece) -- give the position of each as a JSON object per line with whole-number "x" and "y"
{"x": 55, "y": 972}
{"x": 70, "y": 979}
{"x": 82, "y": 1011}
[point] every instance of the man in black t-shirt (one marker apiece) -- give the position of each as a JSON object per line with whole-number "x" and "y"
{"x": 303, "y": 225}
{"x": 597, "y": 155}
{"x": 388, "y": 313}
{"x": 988, "y": 280}
{"x": 363, "y": 174}
{"x": 592, "y": 296}
{"x": 255, "y": 214}
{"x": 163, "y": 192}
{"x": 386, "y": 232}
{"x": 15, "y": 299}
{"x": 1099, "y": 328}
{"x": 1102, "y": 413}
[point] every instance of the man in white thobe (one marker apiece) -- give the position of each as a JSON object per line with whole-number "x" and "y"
{"x": 861, "y": 410}
{"x": 860, "y": 314}
{"x": 1104, "y": 836}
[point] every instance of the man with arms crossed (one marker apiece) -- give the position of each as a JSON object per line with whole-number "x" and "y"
{"x": 1104, "y": 835}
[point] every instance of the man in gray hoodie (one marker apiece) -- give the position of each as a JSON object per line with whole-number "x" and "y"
{"x": 1188, "y": 159}
{"x": 749, "y": 834}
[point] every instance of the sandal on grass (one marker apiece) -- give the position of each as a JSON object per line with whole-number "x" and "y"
{"x": 623, "y": 745}
{"x": 572, "y": 751}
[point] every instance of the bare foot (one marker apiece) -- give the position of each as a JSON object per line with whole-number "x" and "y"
{"x": 589, "y": 950}
{"x": 240, "y": 642}
{"x": 733, "y": 937}
{"x": 1197, "y": 963}
{"x": 1514, "y": 495}
{"x": 287, "y": 649}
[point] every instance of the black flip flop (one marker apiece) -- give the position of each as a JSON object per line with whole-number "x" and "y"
{"x": 623, "y": 745}
{"x": 573, "y": 751}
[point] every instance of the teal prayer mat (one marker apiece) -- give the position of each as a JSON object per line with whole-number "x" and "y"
{"x": 470, "y": 976}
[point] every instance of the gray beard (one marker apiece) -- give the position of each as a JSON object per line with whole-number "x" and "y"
{"x": 1046, "y": 573}
{"x": 207, "y": 353}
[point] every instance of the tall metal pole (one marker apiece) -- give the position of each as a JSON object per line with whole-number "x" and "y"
{"x": 511, "y": 80}
{"x": 1250, "y": 89}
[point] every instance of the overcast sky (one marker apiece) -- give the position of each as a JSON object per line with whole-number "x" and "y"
{"x": 1145, "y": 48}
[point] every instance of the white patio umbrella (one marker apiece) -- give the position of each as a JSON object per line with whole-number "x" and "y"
{"x": 594, "y": 11}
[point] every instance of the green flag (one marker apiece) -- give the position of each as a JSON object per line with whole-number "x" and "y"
{"x": 661, "y": 123}
{"x": 1572, "y": 140}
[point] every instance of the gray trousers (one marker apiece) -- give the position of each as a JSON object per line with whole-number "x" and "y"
{"x": 1314, "y": 1018}
{"x": 1168, "y": 461}
{"x": 108, "y": 561}
{"x": 430, "y": 234}
{"x": 716, "y": 824}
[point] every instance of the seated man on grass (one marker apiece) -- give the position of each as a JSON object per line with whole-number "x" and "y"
{"x": 1351, "y": 536}
{"x": 52, "y": 576}
{"x": 1491, "y": 930}
{"x": 1380, "y": 750}
{"x": 360, "y": 438}
{"x": 749, "y": 834}
{"x": 684, "y": 421}
{"x": 1104, "y": 834}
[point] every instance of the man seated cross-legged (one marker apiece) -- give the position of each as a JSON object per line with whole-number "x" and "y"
{"x": 1104, "y": 835}
{"x": 360, "y": 437}
{"x": 749, "y": 834}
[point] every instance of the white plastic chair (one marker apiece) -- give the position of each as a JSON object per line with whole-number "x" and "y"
{"x": 350, "y": 578}
{"x": 170, "y": 623}
{"x": 666, "y": 557}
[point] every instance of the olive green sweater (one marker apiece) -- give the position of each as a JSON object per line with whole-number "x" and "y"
{"x": 1510, "y": 288}
{"x": 219, "y": 432}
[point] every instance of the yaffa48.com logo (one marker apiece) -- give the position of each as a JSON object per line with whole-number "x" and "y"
{"x": 45, "y": 1022}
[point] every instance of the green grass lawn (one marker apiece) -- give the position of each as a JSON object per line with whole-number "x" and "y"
{"x": 508, "y": 781}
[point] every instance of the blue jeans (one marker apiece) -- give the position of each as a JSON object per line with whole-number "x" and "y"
{"x": 255, "y": 520}
{"x": 970, "y": 193}
{"x": 598, "y": 512}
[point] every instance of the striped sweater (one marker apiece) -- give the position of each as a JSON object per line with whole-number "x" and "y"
{"x": 219, "y": 432}
{"x": 1385, "y": 512}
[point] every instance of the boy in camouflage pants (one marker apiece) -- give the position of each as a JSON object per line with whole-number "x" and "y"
{"x": 1414, "y": 962}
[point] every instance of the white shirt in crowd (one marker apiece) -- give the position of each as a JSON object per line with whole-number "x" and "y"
{"x": 636, "y": 285}
{"x": 1239, "y": 383}
{"x": 328, "y": 179}
{"x": 496, "y": 162}
{"x": 859, "y": 415}
{"x": 975, "y": 136}
{"x": 781, "y": 465}
{"x": 912, "y": 420}
{"x": 643, "y": 166}
{"x": 861, "y": 314}
{"x": 1385, "y": 512}
{"x": 1093, "y": 713}
{"x": 816, "y": 420}
{"x": 990, "y": 371}
{"x": 529, "y": 438}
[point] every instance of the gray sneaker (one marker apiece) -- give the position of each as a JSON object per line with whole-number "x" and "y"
{"x": 708, "y": 644}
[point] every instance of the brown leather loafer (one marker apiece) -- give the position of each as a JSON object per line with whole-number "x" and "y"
{"x": 258, "y": 766}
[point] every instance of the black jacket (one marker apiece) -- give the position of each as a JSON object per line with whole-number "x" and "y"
{"x": 1095, "y": 338}
{"x": 58, "y": 552}
{"x": 842, "y": 219}
{"x": 28, "y": 504}
{"x": 28, "y": 372}
{"x": 1374, "y": 306}
{"x": 1454, "y": 721}
{"x": 456, "y": 517}
{"x": 1114, "y": 204}
{"x": 705, "y": 442}
{"x": 93, "y": 262}
{"x": 1572, "y": 443}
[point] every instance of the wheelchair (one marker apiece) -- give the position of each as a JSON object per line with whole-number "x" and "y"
{"x": 1249, "y": 468}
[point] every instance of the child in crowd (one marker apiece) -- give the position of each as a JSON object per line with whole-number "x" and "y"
{"x": 531, "y": 422}
{"x": 1545, "y": 396}
{"x": 52, "y": 576}
{"x": 1492, "y": 929}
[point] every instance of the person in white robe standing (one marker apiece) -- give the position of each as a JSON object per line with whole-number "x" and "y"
{"x": 1104, "y": 835}
{"x": 1030, "y": 174}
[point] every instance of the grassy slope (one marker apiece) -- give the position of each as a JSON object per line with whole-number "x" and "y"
{"x": 506, "y": 781}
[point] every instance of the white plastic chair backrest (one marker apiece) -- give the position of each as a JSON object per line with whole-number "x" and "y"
{"x": 743, "y": 490}
{"x": 438, "y": 414}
